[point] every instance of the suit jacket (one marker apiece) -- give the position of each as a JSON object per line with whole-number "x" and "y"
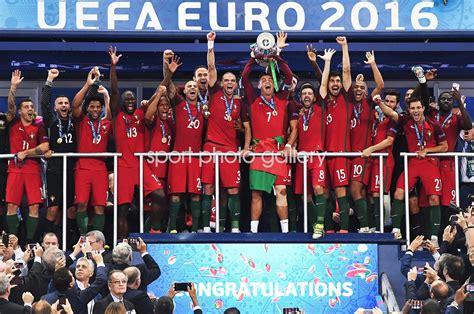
{"x": 36, "y": 282}
{"x": 140, "y": 300}
{"x": 80, "y": 298}
{"x": 13, "y": 308}
{"x": 99, "y": 307}
{"x": 149, "y": 271}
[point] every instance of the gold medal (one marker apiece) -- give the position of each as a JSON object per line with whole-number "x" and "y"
{"x": 275, "y": 113}
{"x": 163, "y": 140}
{"x": 59, "y": 140}
{"x": 305, "y": 128}
{"x": 205, "y": 107}
{"x": 228, "y": 117}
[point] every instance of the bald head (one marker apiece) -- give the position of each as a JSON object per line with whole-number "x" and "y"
{"x": 133, "y": 274}
{"x": 439, "y": 290}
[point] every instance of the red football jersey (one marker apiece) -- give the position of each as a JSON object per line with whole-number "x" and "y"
{"x": 219, "y": 130}
{"x": 158, "y": 139}
{"x": 361, "y": 123}
{"x": 130, "y": 136}
{"x": 433, "y": 134}
{"x": 265, "y": 124}
{"x": 23, "y": 138}
{"x": 382, "y": 130}
{"x": 87, "y": 144}
{"x": 311, "y": 134}
{"x": 188, "y": 131}
{"x": 338, "y": 123}
{"x": 450, "y": 127}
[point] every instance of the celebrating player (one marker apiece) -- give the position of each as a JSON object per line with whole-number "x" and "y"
{"x": 222, "y": 136}
{"x": 62, "y": 139}
{"x": 93, "y": 134}
{"x": 361, "y": 138}
{"x": 26, "y": 139}
{"x": 424, "y": 136}
{"x": 269, "y": 120}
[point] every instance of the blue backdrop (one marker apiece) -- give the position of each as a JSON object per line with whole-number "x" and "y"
{"x": 165, "y": 17}
{"x": 265, "y": 278}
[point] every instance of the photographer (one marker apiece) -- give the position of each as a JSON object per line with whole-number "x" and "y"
{"x": 165, "y": 304}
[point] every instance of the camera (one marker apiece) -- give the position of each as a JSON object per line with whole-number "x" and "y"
{"x": 182, "y": 286}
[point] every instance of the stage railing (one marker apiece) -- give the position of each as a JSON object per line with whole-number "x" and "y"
{"x": 456, "y": 180}
{"x": 217, "y": 156}
{"x": 65, "y": 156}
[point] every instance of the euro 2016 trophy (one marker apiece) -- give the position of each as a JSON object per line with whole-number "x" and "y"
{"x": 264, "y": 51}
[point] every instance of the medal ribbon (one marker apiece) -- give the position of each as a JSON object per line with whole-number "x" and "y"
{"x": 420, "y": 137}
{"x": 60, "y": 129}
{"x": 357, "y": 112}
{"x": 445, "y": 120}
{"x": 228, "y": 107}
{"x": 163, "y": 130}
{"x": 270, "y": 103}
{"x": 307, "y": 117}
{"x": 203, "y": 100}
{"x": 190, "y": 115}
{"x": 95, "y": 133}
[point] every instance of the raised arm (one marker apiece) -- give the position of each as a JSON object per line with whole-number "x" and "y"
{"x": 15, "y": 82}
{"x": 114, "y": 91}
{"x": 153, "y": 105}
{"x": 172, "y": 65}
{"x": 168, "y": 55}
{"x": 466, "y": 121}
{"x": 346, "y": 63}
{"x": 389, "y": 112}
{"x": 379, "y": 83}
{"x": 47, "y": 111}
{"x": 248, "y": 88}
{"x": 211, "y": 61}
{"x": 105, "y": 93}
{"x": 79, "y": 97}
{"x": 312, "y": 57}
{"x": 323, "y": 87}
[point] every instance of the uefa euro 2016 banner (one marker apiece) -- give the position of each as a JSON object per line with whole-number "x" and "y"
{"x": 266, "y": 278}
{"x": 163, "y": 17}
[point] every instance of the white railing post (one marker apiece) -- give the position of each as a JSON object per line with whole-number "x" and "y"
{"x": 141, "y": 193}
{"x": 456, "y": 179}
{"x": 64, "y": 218}
{"x": 115, "y": 200}
{"x": 216, "y": 191}
{"x": 382, "y": 194}
{"x": 305, "y": 193}
{"x": 407, "y": 198}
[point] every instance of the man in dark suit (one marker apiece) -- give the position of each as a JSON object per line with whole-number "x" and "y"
{"x": 95, "y": 241}
{"x": 117, "y": 286}
{"x": 64, "y": 284}
{"x": 139, "y": 298}
{"x": 122, "y": 258}
{"x": 10, "y": 307}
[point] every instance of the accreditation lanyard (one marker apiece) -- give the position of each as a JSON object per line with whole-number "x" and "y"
{"x": 60, "y": 127}
{"x": 228, "y": 107}
{"x": 357, "y": 112}
{"x": 445, "y": 120}
{"x": 203, "y": 100}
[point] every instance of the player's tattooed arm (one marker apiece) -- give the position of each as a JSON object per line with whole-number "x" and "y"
{"x": 312, "y": 57}
{"x": 79, "y": 97}
{"x": 379, "y": 83}
{"x": 114, "y": 91}
{"x": 389, "y": 112}
{"x": 323, "y": 88}
{"x": 15, "y": 82}
{"x": 346, "y": 63}
{"x": 211, "y": 60}
{"x": 386, "y": 143}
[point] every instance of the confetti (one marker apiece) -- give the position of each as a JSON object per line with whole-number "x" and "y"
{"x": 222, "y": 271}
{"x": 276, "y": 299}
{"x": 315, "y": 280}
{"x": 267, "y": 267}
{"x": 282, "y": 275}
{"x": 220, "y": 258}
{"x": 239, "y": 296}
{"x": 251, "y": 264}
{"x": 332, "y": 302}
{"x": 330, "y": 249}
{"x": 218, "y": 304}
{"x": 215, "y": 248}
{"x": 213, "y": 271}
{"x": 244, "y": 280}
{"x": 166, "y": 252}
{"x": 311, "y": 269}
{"x": 328, "y": 271}
{"x": 371, "y": 277}
{"x": 367, "y": 260}
{"x": 172, "y": 260}
{"x": 312, "y": 248}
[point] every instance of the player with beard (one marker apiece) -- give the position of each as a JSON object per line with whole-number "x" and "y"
{"x": 384, "y": 132}
{"x": 158, "y": 138}
{"x": 185, "y": 172}
{"x": 222, "y": 136}
{"x": 424, "y": 135}
{"x": 93, "y": 134}
{"x": 269, "y": 121}
{"x": 337, "y": 135}
{"x": 62, "y": 139}
{"x": 361, "y": 138}
{"x": 311, "y": 139}
{"x": 26, "y": 139}
{"x": 130, "y": 129}
{"x": 451, "y": 124}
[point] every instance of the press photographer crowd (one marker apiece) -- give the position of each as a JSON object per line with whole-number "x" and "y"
{"x": 283, "y": 118}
